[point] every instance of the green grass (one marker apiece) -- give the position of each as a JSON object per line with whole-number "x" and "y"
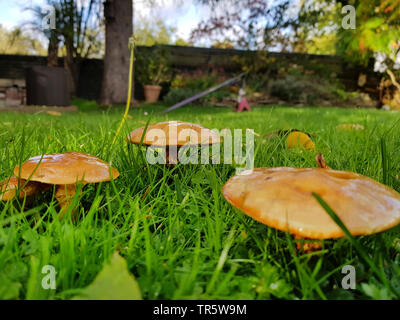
{"x": 182, "y": 240}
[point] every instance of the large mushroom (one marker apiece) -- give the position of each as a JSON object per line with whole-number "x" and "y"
{"x": 282, "y": 198}
{"x": 172, "y": 135}
{"x": 10, "y": 186}
{"x": 66, "y": 171}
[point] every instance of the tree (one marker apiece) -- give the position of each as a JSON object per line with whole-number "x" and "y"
{"x": 16, "y": 42}
{"x": 52, "y": 35}
{"x": 377, "y": 32}
{"x": 377, "y": 29}
{"x": 119, "y": 28}
{"x": 376, "y": 37}
{"x": 151, "y": 31}
{"x": 223, "y": 45}
{"x": 317, "y": 26}
{"x": 77, "y": 23}
{"x": 78, "y": 29}
{"x": 249, "y": 24}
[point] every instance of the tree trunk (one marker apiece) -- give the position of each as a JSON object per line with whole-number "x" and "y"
{"x": 72, "y": 69}
{"x": 52, "y": 50}
{"x": 119, "y": 28}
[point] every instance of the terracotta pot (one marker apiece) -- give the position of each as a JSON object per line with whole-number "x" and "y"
{"x": 152, "y": 93}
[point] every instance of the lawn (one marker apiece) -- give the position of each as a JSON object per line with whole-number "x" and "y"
{"x": 179, "y": 236}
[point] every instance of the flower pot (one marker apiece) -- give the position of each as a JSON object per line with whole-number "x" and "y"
{"x": 152, "y": 93}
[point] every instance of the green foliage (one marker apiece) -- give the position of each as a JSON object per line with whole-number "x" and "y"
{"x": 316, "y": 90}
{"x": 176, "y": 95}
{"x": 151, "y": 31}
{"x": 184, "y": 86}
{"x": 152, "y": 65}
{"x": 324, "y": 44}
{"x": 270, "y": 284}
{"x": 297, "y": 89}
{"x": 199, "y": 81}
{"x": 318, "y": 22}
{"x": 85, "y": 105}
{"x": 9, "y": 289}
{"x": 376, "y": 292}
{"x": 255, "y": 62}
{"x": 377, "y": 30}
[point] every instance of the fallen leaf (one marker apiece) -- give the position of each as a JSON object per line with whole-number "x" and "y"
{"x": 54, "y": 113}
{"x": 298, "y": 138}
{"x": 350, "y": 126}
{"x": 114, "y": 282}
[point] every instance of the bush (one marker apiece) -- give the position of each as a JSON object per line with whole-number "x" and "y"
{"x": 287, "y": 89}
{"x": 152, "y": 65}
{"x": 304, "y": 89}
{"x": 198, "y": 82}
{"x": 176, "y": 95}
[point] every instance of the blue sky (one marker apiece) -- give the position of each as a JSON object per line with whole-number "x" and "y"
{"x": 182, "y": 14}
{"x": 12, "y": 13}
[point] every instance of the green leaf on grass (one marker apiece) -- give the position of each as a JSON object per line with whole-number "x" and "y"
{"x": 114, "y": 282}
{"x": 376, "y": 292}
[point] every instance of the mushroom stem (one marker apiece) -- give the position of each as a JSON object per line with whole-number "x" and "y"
{"x": 171, "y": 156}
{"x": 64, "y": 195}
{"x": 307, "y": 247}
{"x": 319, "y": 158}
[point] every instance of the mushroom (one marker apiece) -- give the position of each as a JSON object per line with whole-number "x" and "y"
{"x": 10, "y": 186}
{"x": 172, "y": 135}
{"x": 282, "y": 198}
{"x": 66, "y": 170}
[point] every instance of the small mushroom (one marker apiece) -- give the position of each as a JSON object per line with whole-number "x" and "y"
{"x": 173, "y": 135}
{"x": 282, "y": 198}
{"x": 10, "y": 186}
{"x": 66, "y": 170}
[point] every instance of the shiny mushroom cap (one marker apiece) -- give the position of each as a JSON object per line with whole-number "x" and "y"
{"x": 174, "y": 133}
{"x": 10, "y": 186}
{"x": 282, "y": 198}
{"x": 66, "y": 168}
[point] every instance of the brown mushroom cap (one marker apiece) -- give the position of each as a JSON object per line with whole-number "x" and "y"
{"x": 66, "y": 168}
{"x": 9, "y": 187}
{"x": 175, "y": 133}
{"x": 282, "y": 198}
